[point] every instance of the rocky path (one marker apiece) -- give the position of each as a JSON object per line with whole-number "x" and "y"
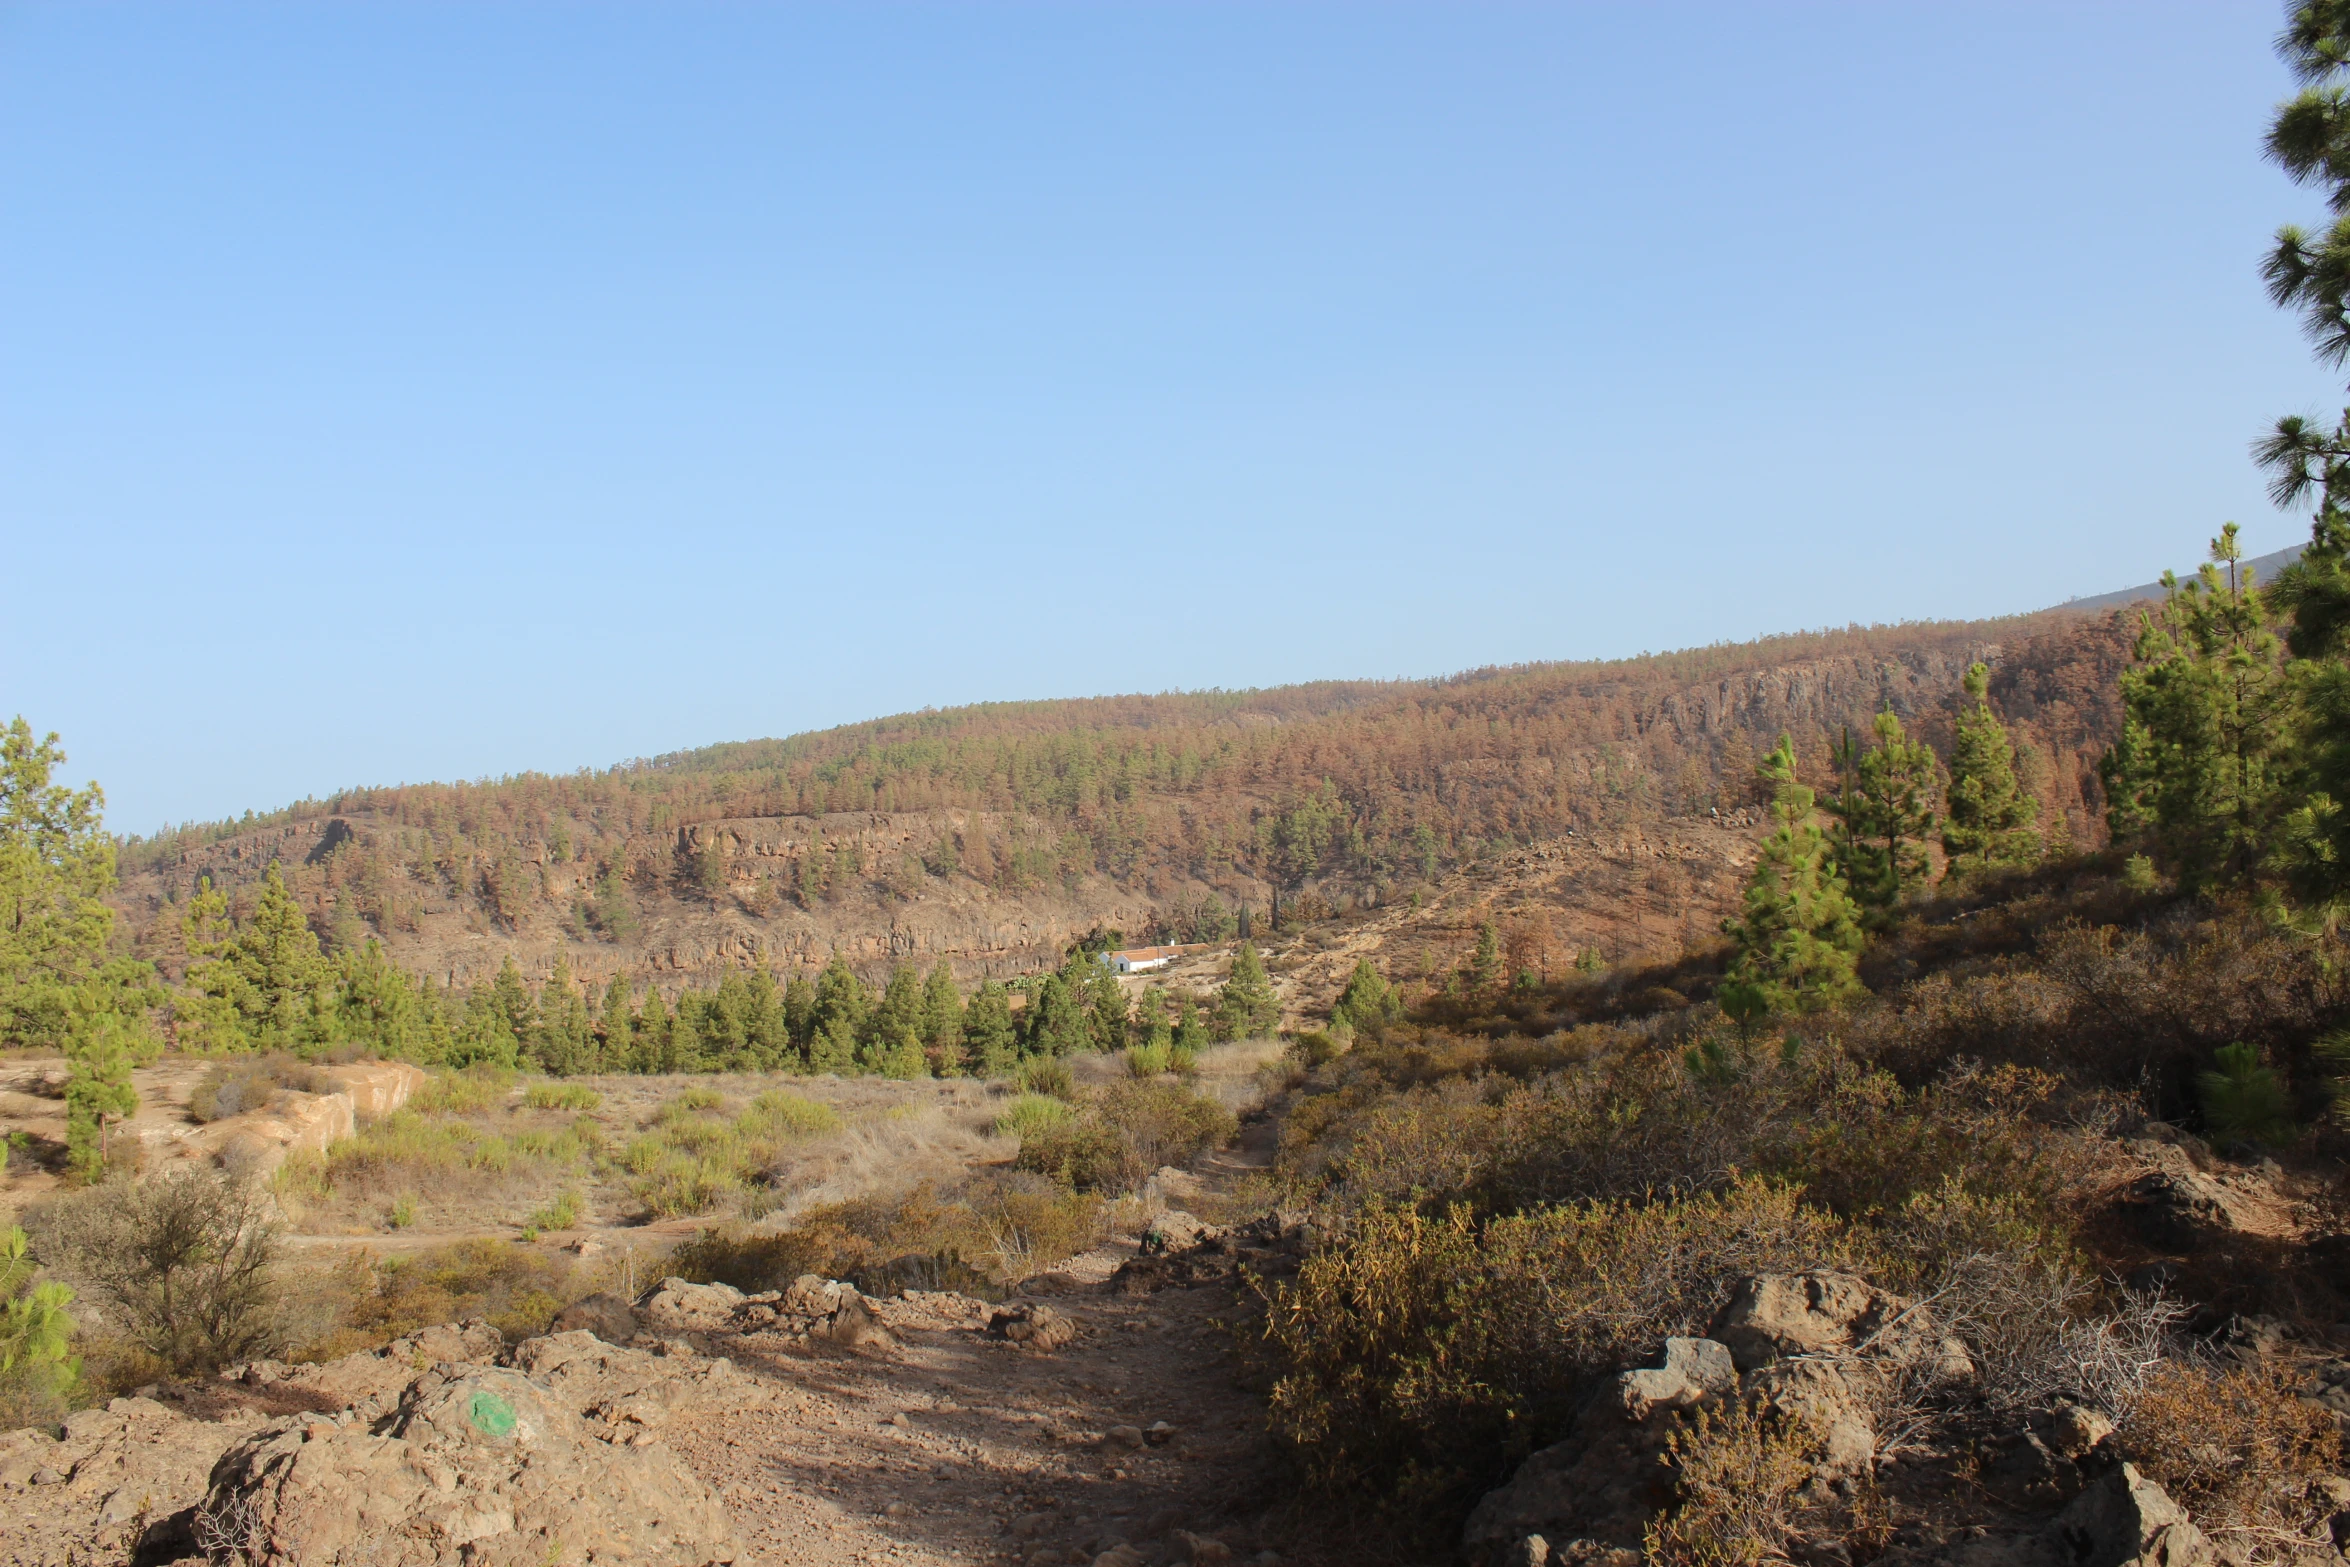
{"x": 1136, "y": 1441}
{"x": 959, "y": 1447}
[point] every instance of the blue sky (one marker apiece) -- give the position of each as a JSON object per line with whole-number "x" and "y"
{"x": 412, "y": 391}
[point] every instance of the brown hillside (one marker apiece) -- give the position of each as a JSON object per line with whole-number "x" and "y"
{"x": 993, "y": 835}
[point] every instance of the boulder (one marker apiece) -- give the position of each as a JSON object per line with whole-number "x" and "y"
{"x": 812, "y": 1295}
{"x": 1596, "y": 1490}
{"x": 854, "y": 1326}
{"x": 1176, "y": 1230}
{"x": 1833, "y": 1399}
{"x": 2178, "y": 1204}
{"x": 1695, "y": 1371}
{"x": 2126, "y": 1520}
{"x": 1775, "y": 1316}
{"x": 479, "y": 1466}
{"x": 1032, "y": 1325}
{"x": 609, "y": 1317}
{"x": 675, "y": 1306}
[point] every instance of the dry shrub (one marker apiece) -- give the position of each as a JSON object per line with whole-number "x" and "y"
{"x": 182, "y": 1264}
{"x": 519, "y": 1288}
{"x": 990, "y": 1231}
{"x": 1418, "y": 1358}
{"x": 2237, "y": 1450}
{"x": 1739, "y": 1471}
{"x": 1083, "y": 1155}
{"x": 1124, "y": 1133}
{"x": 2100, "y": 1002}
{"x": 513, "y": 1162}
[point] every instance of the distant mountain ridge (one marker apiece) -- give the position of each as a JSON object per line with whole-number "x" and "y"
{"x": 2264, "y": 569}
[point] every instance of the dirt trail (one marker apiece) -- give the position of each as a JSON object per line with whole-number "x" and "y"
{"x": 962, "y": 1448}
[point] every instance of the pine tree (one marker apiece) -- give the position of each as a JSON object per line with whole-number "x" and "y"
{"x": 1154, "y": 1028}
{"x": 513, "y": 1009}
{"x": 899, "y": 1017}
{"x": 560, "y": 1039}
{"x": 991, "y": 1043}
{"x": 1800, "y": 938}
{"x": 833, "y": 1050}
{"x": 2207, "y": 708}
{"x": 2310, "y": 139}
{"x": 382, "y": 1010}
{"x": 1989, "y": 819}
{"x": 942, "y": 1021}
{"x": 208, "y": 1016}
{"x": 653, "y": 1028}
{"x": 103, "y": 1043}
{"x": 799, "y": 1013}
{"x": 1884, "y": 812}
{"x": 1368, "y": 1003}
{"x": 266, "y": 986}
{"x": 1485, "y": 963}
{"x": 56, "y": 868}
{"x": 841, "y": 1005}
{"x": 1056, "y": 1019}
{"x": 1247, "y": 1009}
{"x": 616, "y": 1027}
{"x": 1107, "y": 1011}
{"x": 766, "y": 1031}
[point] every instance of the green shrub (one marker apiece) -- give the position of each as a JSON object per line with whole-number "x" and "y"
{"x": 561, "y": 1214}
{"x": 1030, "y": 1114}
{"x": 694, "y": 1160}
{"x": 1740, "y": 1476}
{"x": 1048, "y": 1075}
{"x": 184, "y": 1262}
{"x": 370, "y": 1299}
{"x": 562, "y": 1096}
{"x": 1082, "y": 1154}
{"x": 1164, "y": 1123}
{"x": 1123, "y": 1134}
{"x": 780, "y": 1114}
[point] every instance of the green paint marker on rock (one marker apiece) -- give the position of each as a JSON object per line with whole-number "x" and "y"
{"x": 491, "y": 1415}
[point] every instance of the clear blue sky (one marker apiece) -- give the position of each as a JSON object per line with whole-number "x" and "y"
{"x": 411, "y": 391}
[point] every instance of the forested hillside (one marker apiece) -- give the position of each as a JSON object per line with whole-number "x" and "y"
{"x": 992, "y": 835}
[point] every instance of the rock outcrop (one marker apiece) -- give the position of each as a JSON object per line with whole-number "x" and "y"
{"x": 479, "y": 1465}
{"x": 1181, "y": 1252}
{"x": 1032, "y": 1325}
{"x": 115, "y": 1484}
{"x": 443, "y": 1447}
{"x": 1820, "y": 1347}
{"x": 370, "y": 1381}
{"x": 812, "y": 1309}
